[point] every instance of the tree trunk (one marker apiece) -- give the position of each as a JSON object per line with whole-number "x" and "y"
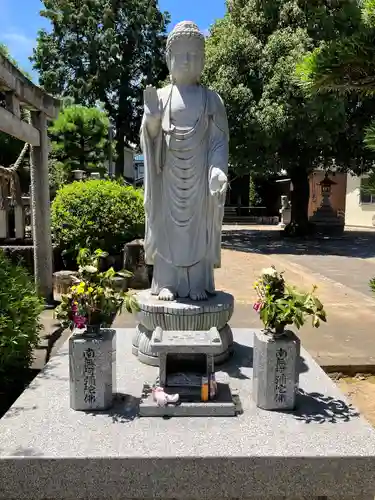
{"x": 300, "y": 195}
{"x": 120, "y": 144}
{"x": 82, "y": 155}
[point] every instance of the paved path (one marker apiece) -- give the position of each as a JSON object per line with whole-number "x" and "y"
{"x": 340, "y": 268}
{"x": 349, "y": 260}
{"x": 347, "y": 338}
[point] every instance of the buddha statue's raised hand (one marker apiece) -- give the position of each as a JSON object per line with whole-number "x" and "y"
{"x": 151, "y": 102}
{"x": 152, "y": 110}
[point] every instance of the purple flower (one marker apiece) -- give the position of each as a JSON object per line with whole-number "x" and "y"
{"x": 79, "y": 321}
{"x": 257, "y": 306}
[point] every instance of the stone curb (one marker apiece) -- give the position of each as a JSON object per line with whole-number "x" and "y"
{"x": 349, "y": 370}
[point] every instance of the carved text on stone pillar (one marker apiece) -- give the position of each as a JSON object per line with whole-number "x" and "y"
{"x": 89, "y": 376}
{"x": 280, "y": 377}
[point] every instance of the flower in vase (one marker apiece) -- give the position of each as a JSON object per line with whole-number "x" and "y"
{"x": 257, "y": 306}
{"x": 93, "y": 297}
{"x": 269, "y": 271}
{"x": 280, "y": 304}
{"x": 79, "y": 321}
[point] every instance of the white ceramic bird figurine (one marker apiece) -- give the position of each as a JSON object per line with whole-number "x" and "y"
{"x": 162, "y": 399}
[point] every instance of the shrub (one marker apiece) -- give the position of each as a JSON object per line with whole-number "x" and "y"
{"x": 96, "y": 214}
{"x": 20, "y": 308}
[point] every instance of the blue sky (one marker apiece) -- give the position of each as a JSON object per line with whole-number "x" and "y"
{"x": 20, "y": 21}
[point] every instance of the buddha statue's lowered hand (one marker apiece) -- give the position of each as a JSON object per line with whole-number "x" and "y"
{"x": 218, "y": 181}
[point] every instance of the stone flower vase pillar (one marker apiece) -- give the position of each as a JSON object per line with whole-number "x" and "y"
{"x": 276, "y": 369}
{"x": 92, "y": 368}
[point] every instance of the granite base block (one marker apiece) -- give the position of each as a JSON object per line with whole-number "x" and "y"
{"x": 92, "y": 370}
{"x": 48, "y": 451}
{"x": 276, "y": 370}
{"x": 224, "y": 405}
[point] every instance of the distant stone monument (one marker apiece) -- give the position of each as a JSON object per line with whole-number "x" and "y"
{"x": 185, "y": 141}
{"x": 285, "y": 212}
{"x": 325, "y": 218}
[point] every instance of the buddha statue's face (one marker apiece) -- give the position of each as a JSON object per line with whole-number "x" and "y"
{"x": 186, "y": 60}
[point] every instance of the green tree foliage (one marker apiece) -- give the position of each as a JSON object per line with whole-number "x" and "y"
{"x": 79, "y": 138}
{"x": 346, "y": 66}
{"x": 251, "y": 57}
{"x": 107, "y": 51}
{"x": 20, "y": 308}
{"x": 96, "y": 214}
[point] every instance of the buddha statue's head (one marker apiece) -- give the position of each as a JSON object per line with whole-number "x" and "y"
{"x": 185, "y": 53}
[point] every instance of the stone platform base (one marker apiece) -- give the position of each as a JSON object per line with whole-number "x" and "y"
{"x": 48, "y": 450}
{"x": 182, "y": 314}
{"x": 224, "y": 406}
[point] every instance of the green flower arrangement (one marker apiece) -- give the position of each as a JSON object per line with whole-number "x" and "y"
{"x": 94, "y": 300}
{"x": 280, "y": 304}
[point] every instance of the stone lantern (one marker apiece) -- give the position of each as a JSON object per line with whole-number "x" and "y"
{"x": 325, "y": 218}
{"x": 78, "y": 174}
{"x": 326, "y": 187}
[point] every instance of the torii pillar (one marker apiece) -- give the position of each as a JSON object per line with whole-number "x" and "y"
{"x": 20, "y": 94}
{"x": 40, "y": 210}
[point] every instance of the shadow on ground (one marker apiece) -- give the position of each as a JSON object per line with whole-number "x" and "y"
{"x": 51, "y": 339}
{"x": 357, "y": 244}
{"x": 10, "y": 393}
{"x": 317, "y": 408}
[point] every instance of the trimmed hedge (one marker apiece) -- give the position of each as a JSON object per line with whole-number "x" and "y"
{"x": 96, "y": 214}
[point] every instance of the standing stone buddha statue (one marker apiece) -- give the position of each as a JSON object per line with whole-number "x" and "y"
{"x": 184, "y": 138}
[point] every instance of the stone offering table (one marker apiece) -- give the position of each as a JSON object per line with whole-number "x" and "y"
{"x": 182, "y": 315}
{"x": 49, "y": 451}
{"x": 186, "y": 361}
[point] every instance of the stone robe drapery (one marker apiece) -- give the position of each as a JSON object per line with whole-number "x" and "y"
{"x": 183, "y": 219}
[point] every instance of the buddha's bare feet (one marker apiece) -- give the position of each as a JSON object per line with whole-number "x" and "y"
{"x": 198, "y": 295}
{"x": 166, "y": 294}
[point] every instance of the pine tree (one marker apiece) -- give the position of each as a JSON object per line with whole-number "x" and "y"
{"x": 107, "y": 51}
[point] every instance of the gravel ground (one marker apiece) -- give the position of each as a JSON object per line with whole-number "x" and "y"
{"x": 361, "y": 392}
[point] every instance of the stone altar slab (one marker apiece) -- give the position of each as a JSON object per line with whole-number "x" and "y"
{"x": 49, "y": 451}
{"x": 186, "y": 342}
